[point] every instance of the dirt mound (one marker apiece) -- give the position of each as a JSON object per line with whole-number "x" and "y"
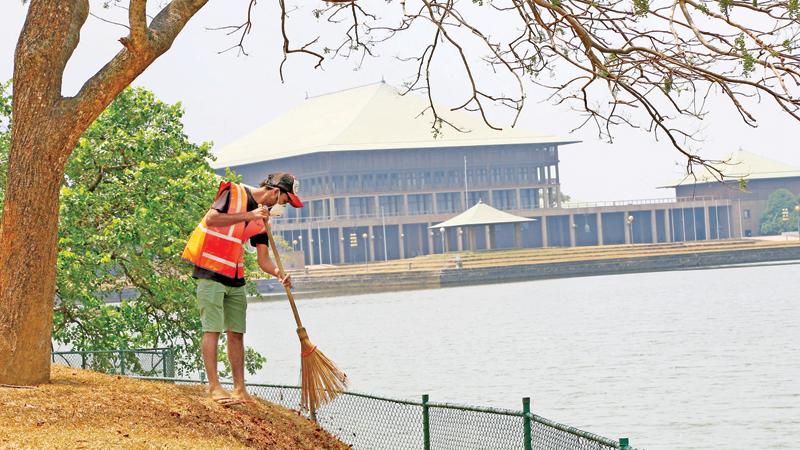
{"x": 82, "y": 409}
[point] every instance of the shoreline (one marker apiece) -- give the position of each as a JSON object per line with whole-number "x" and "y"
{"x": 527, "y": 265}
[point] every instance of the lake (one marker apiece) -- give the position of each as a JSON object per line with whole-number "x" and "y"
{"x": 686, "y": 359}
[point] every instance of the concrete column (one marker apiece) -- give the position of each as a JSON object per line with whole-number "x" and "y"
{"x": 653, "y": 226}
{"x": 519, "y": 199}
{"x": 312, "y": 246}
{"x": 471, "y": 238}
{"x": 435, "y": 206}
{"x": 572, "y": 241}
{"x": 428, "y": 232}
{"x": 332, "y": 207}
{"x": 347, "y": 206}
{"x": 405, "y": 204}
{"x": 341, "y": 244}
{"x": 517, "y": 236}
{"x": 460, "y": 238}
{"x": 707, "y": 223}
{"x": 599, "y": 230}
{"x": 489, "y": 239}
{"x": 667, "y": 228}
{"x": 627, "y": 228}
{"x": 544, "y": 231}
{"x": 558, "y": 188}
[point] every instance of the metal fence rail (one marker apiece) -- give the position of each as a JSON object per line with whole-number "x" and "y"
{"x": 148, "y": 362}
{"x": 377, "y": 423}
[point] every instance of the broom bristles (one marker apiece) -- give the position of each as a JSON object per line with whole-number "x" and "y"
{"x": 322, "y": 380}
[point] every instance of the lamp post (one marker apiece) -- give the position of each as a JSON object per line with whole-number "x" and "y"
{"x": 366, "y": 255}
{"x": 797, "y": 210}
{"x": 444, "y": 244}
{"x": 630, "y": 228}
{"x": 294, "y": 244}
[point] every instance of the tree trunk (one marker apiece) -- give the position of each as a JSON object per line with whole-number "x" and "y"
{"x": 28, "y": 255}
{"x": 45, "y": 129}
{"x": 43, "y": 134}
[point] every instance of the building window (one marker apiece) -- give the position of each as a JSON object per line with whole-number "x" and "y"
{"x": 448, "y": 202}
{"x": 337, "y": 183}
{"x": 382, "y": 181}
{"x": 511, "y": 176}
{"x": 352, "y": 183}
{"x": 497, "y": 175}
{"x": 529, "y": 198}
{"x": 367, "y": 183}
{"x": 476, "y": 196}
{"x": 362, "y": 206}
{"x": 746, "y": 213}
{"x": 420, "y": 204}
{"x": 391, "y": 205}
{"x": 338, "y": 205}
{"x": 504, "y": 199}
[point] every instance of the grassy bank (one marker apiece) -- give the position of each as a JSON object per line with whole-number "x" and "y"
{"x": 82, "y": 409}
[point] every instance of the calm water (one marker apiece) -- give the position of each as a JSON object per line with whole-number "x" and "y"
{"x": 693, "y": 359}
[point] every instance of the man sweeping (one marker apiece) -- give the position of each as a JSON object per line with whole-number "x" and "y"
{"x": 216, "y": 250}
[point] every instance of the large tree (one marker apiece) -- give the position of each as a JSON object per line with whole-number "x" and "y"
{"x": 772, "y": 220}
{"x": 621, "y": 62}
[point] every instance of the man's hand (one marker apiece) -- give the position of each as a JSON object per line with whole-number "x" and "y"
{"x": 286, "y": 280}
{"x": 259, "y": 213}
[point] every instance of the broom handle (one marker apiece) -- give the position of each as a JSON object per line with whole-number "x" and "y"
{"x": 280, "y": 267}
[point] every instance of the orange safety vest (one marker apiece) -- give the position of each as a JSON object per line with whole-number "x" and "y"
{"x": 219, "y": 249}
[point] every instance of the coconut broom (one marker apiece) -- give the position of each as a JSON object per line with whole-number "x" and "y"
{"x": 322, "y": 381}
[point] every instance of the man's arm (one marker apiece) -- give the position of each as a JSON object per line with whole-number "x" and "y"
{"x": 266, "y": 264}
{"x": 215, "y": 218}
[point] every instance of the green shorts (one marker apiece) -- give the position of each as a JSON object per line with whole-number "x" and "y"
{"x": 222, "y": 308}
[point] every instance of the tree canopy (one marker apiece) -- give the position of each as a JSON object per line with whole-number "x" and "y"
{"x": 772, "y": 219}
{"x": 133, "y": 190}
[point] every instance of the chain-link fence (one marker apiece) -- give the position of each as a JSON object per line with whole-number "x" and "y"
{"x": 377, "y": 423}
{"x": 150, "y": 362}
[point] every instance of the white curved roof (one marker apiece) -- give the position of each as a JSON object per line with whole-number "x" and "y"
{"x": 741, "y": 165}
{"x": 372, "y": 117}
{"x": 481, "y": 214}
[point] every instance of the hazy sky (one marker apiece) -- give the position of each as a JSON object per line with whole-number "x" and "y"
{"x": 226, "y": 96}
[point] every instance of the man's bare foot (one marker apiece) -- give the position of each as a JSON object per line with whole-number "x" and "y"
{"x": 241, "y": 396}
{"x": 221, "y": 396}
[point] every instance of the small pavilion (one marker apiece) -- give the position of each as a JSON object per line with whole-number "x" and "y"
{"x": 479, "y": 219}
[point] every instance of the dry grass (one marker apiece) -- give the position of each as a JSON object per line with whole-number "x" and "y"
{"x": 82, "y": 409}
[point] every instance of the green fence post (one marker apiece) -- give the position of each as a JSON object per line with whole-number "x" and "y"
{"x": 623, "y": 444}
{"x": 526, "y": 422}
{"x": 426, "y": 425}
{"x": 121, "y": 362}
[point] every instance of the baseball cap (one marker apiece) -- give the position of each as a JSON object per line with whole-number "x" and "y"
{"x": 287, "y": 183}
